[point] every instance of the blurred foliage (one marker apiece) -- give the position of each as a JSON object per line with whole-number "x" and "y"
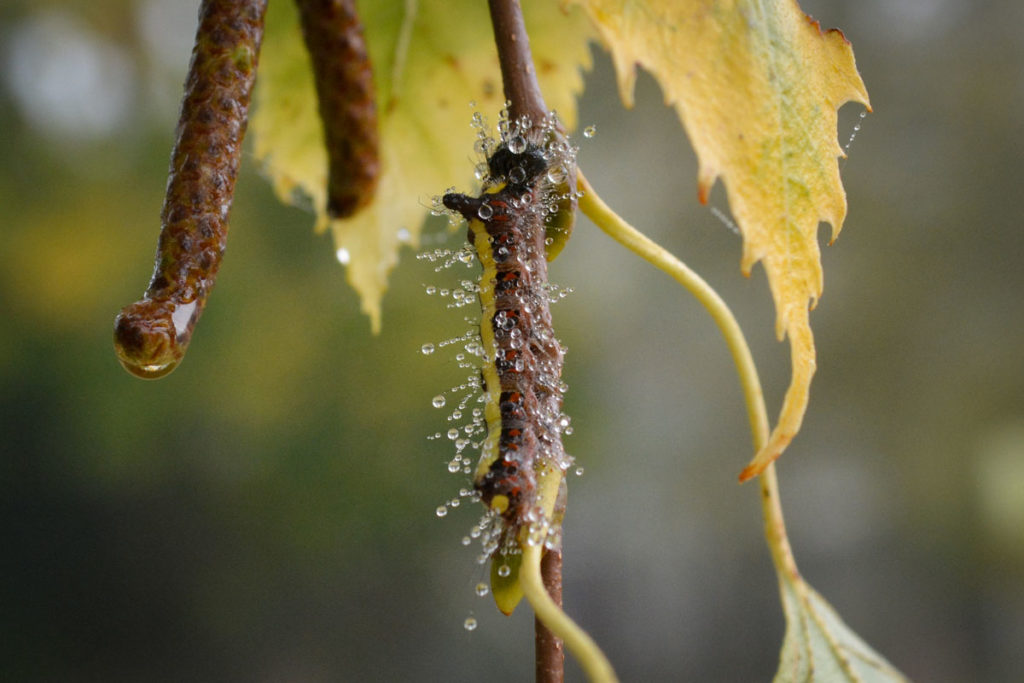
{"x": 266, "y": 512}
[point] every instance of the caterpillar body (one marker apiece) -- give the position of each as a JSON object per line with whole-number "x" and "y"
{"x": 521, "y": 373}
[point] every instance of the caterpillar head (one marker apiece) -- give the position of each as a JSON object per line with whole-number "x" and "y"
{"x": 517, "y": 169}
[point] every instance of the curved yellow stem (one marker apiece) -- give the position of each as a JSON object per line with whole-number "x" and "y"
{"x": 587, "y": 653}
{"x": 625, "y": 234}
{"x": 775, "y": 527}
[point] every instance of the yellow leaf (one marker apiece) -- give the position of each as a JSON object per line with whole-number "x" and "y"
{"x": 431, "y": 59}
{"x": 757, "y": 86}
{"x": 505, "y": 586}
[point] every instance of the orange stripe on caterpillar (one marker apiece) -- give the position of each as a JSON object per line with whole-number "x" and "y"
{"x": 348, "y": 108}
{"x": 151, "y": 335}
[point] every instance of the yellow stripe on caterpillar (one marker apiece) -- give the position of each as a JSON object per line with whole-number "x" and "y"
{"x": 492, "y": 384}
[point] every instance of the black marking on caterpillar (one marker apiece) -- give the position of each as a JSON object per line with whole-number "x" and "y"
{"x": 522, "y": 360}
{"x": 151, "y": 335}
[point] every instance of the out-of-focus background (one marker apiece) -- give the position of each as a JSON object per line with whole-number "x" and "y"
{"x": 266, "y": 513}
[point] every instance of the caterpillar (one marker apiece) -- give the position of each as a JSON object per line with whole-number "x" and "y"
{"x": 521, "y": 373}
{"x": 152, "y": 334}
{"x": 344, "y": 85}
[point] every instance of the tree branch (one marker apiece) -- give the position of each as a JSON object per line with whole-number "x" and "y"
{"x": 549, "y": 648}
{"x": 518, "y": 76}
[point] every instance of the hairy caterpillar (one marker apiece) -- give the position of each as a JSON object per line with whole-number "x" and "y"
{"x": 344, "y": 86}
{"x": 521, "y": 373}
{"x": 151, "y": 335}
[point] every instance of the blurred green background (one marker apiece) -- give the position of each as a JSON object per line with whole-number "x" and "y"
{"x": 266, "y": 513}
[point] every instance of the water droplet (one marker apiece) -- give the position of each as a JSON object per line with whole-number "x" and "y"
{"x": 466, "y": 540}
{"x": 579, "y": 471}
{"x": 482, "y": 589}
{"x": 441, "y": 510}
{"x": 589, "y": 131}
{"x": 343, "y": 256}
{"x": 856, "y": 129}
{"x": 453, "y": 433}
{"x": 454, "y": 465}
{"x": 404, "y": 236}
{"x": 485, "y": 212}
{"x": 149, "y": 371}
{"x": 517, "y": 145}
{"x": 504, "y": 571}
{"x": 438, "y": 401}
{"x": 725, "y": 220}
{"x": 469, "y": 624}
{"x": 428, "y": 349}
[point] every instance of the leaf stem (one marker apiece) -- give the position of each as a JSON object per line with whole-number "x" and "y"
{"x": 594, "y": 663}
{"x": 775, "y": 527}
{"x": 641, "y": 245}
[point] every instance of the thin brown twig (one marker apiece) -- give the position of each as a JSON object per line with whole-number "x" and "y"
{"x": 519, "y": 80}
{"x": 518, "y": 76}
{"x": 549, "y": 648}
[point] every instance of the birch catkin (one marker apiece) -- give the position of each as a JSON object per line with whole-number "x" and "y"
{"x": 151, "y": 335}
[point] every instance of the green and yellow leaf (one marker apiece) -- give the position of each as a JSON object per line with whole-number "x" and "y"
{"x": 507, "y": 590}
{"x": 757, "y": 86}
{"x": 820, "y": 648}
{"x": 431, "y": 60}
